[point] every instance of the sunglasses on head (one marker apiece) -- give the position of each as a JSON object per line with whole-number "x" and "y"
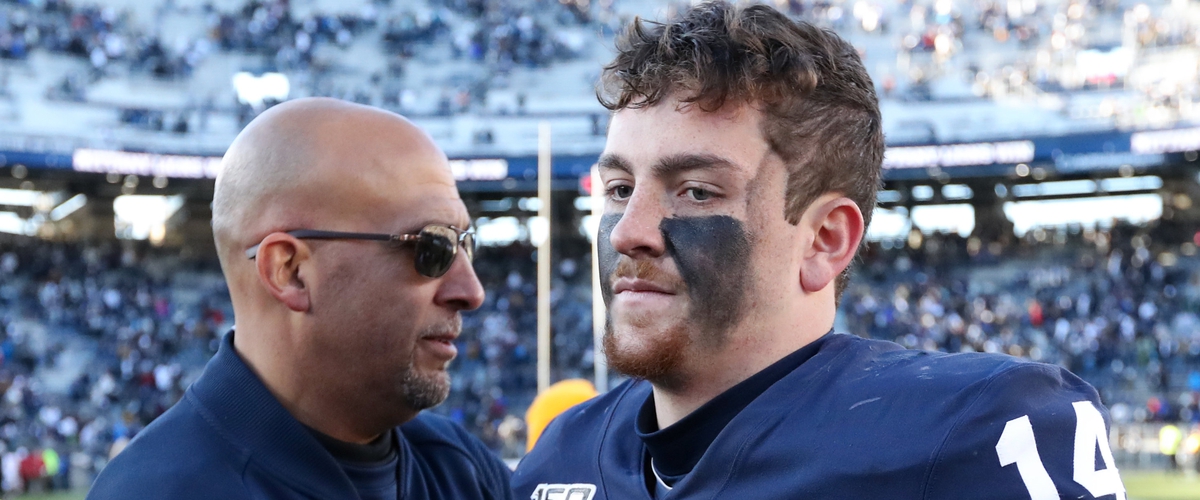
{"x": 436, "y": 245}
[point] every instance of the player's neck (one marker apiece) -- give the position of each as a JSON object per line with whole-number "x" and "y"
{"x": 747, "y": 352}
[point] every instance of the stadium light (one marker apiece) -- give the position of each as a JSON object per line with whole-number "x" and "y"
{"x": 499, "y": 231}
{"x": 954, "y": 218}
{"x": 255, "y": 90}
{"x": 539, "y": 230}
{"x": 144, "y": 217}
{"x": 68, "y": 207}
{"x": 957, "y": 192}
{"x": 1055, "y": 188}
{"x": 1143, "y": 183}
{"x": 12, "y": 223}
{"x": 589, "y": 225}
{"x": 888, "y": 196}
{"x": 583, "y": 203}
{"x": 20, "y": 197}
{"x": 889, "y": 224}
{"x": 479, "y": 170}
{"x": 1096, "y": 211}
{"x": 529, "y": 204}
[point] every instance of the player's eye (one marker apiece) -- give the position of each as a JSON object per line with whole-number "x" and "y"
{"x": 699, "y": 194}
{"x": 620, "y": 192}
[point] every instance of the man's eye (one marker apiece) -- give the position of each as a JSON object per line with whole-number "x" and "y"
{"x": 699, "y": 194}
{"x": 620, "y": 192}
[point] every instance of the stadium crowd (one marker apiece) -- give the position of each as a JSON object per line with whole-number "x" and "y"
{"x": 97, "y": 342}
{"x": 114, "y": 43}
{"x": 1106, "y": 61}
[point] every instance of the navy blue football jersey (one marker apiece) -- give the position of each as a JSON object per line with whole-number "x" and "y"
{"x": 861, "y": 419}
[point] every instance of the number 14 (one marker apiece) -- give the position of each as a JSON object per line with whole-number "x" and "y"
{"x": 1017, "y": 446}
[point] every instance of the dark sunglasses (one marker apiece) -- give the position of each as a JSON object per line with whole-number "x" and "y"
{"x": 436, "y": 245}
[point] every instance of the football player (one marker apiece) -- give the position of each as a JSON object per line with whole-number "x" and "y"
{"x": 741, "y": 168}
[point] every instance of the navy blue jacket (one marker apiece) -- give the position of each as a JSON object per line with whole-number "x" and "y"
{"x": 229, "y": 438}
{"x": 861, "y": 419}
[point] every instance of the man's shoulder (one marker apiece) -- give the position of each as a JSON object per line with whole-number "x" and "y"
{"x": 1030, "y": 429}
{"x": 624, "y": 400}
{"x": 569, "y": 451}
{"x": 876, "y": 363}
{"x": 933, "y": 390}
{"x": 170, "y": 457}
{"x": 937, "y": 426}
{"x": 997, "y": 425}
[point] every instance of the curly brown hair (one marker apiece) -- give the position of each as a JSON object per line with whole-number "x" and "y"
{"x": 821, "y": 115}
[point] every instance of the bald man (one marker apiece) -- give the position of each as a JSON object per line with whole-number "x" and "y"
{"x": 341, "y": 235}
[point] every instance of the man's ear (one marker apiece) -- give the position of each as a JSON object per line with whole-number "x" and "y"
{"x": 835, "y": 227}
{"x": 278, "y": 262}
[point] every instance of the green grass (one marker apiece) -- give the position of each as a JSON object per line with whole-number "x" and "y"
{"x": 1152, "y": 485}
{"x": 77, "y": 495}
{"x": 1141, "y": 485}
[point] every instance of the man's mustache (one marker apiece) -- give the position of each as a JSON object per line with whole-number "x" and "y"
{"x": 452, "y": 326}
{"x": 646, "y": 270}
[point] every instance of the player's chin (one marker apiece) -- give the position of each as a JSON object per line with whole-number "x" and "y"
{"x": 644, "y": 334}
{"x": 636, "y": 316}
{"x": 652, "y": 354}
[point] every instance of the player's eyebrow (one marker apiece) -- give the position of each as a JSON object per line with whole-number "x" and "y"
{"x": 686, "y": 162}
{"x": 614, "y": 162}
{"x": 670, "y": 165}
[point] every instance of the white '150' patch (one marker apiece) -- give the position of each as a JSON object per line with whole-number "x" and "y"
{"x": 577, "y": 491}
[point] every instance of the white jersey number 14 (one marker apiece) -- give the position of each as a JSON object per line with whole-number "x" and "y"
{"x": 1018, "y": 446}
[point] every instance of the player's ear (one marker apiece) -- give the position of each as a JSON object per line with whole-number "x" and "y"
{"x": 834, "y": 228}
{"x": 278, "y": 264}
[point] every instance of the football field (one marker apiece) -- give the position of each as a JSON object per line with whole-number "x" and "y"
{"x": 1155, "y": 485}
{"x": 1141, "y": 485}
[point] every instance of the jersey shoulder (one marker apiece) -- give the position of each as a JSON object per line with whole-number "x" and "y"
{"x": 596, "y": 413}
{"x": 872, "y": 366}
{"x": 979, "y": 422}
{"x": 568, "y": 451}
{"x": 1031, "y": 430}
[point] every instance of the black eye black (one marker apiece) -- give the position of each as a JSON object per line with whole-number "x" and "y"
{"x": 621, "y": 192}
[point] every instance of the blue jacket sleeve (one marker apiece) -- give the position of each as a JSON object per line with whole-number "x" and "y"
{"x": 1034, "y": 431}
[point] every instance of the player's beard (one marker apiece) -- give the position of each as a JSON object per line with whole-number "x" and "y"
{"x": 659, "y": 361}
{"x": 656, "y": 356}
{"x": 420, "y": 390}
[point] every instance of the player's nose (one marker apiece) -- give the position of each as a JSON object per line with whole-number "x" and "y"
{"x": 637, "y": 234}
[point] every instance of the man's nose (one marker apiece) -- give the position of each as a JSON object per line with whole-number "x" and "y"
{"x": 460, "y": 288}
{"x": 637, "y": 233}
